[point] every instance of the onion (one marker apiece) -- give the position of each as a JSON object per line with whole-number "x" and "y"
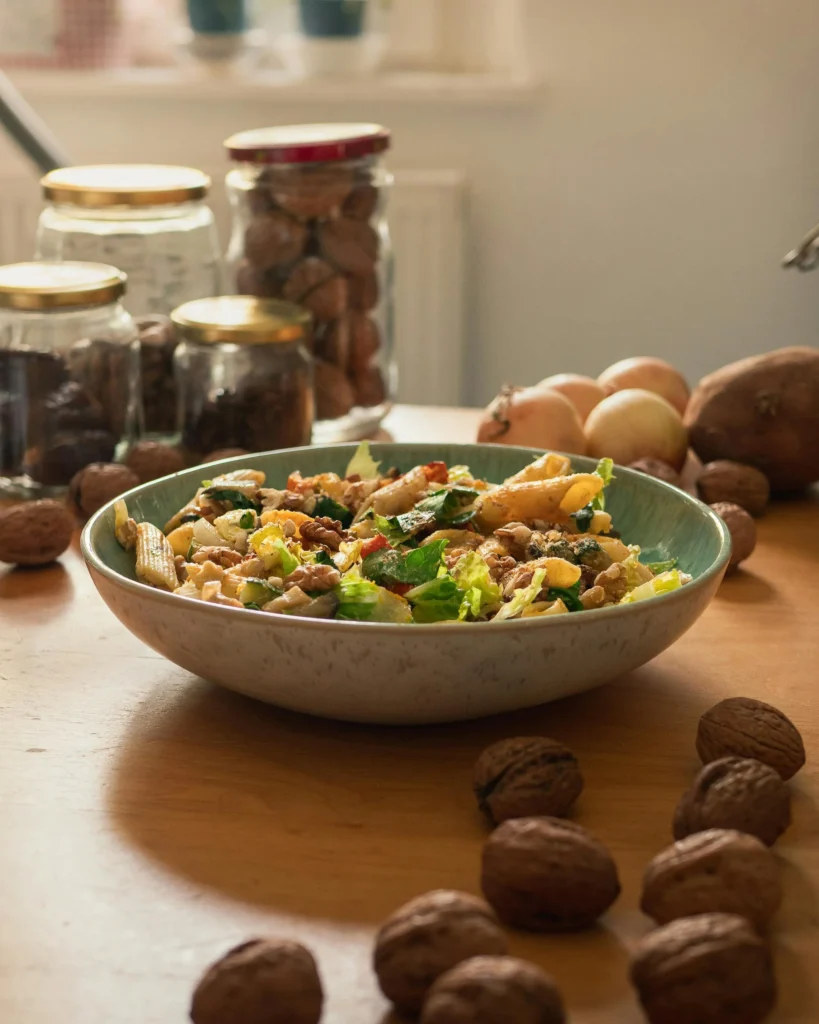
{"x": 535, "y": 418}
{"x": 583, "y": 392}
{"x": 650, "y": 374}
{"x": 636, "y": 424}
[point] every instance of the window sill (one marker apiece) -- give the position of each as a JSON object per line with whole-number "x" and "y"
{"x": 202, "y": 84}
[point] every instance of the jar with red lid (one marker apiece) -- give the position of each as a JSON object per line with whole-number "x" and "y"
{"x": 310, "y": 226}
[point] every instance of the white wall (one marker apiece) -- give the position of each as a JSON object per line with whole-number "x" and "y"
{"x": 641, "y": 204}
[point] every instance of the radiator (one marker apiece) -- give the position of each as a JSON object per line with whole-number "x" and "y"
{"x": 427, "y": 217}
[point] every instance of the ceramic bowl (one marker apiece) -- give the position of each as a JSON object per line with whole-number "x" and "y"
{"x": 389, "y": 673}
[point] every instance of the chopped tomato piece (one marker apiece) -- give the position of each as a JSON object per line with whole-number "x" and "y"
{"x": 400, "y": 588}
{"x": 374, "y": 544}
{"x": 436, "y": 472}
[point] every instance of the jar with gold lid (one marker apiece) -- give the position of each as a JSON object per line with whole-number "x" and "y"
{"x": 152, "y": 222}
{"x": 69, "y": 373}
{"x": 310, "y": 226}
{"x": 244, "y": 374}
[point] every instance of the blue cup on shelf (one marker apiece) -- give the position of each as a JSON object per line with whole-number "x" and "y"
{"x": 332, "y": 19}
{"x": 218, "y": 17}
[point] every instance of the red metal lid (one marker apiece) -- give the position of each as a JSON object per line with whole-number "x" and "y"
{"x": 308, "y": 143}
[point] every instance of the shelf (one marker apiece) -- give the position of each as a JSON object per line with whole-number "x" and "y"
{"x": 203, "y": 84}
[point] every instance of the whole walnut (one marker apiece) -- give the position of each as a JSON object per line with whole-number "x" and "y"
{"x": 351, "y": 245}
{"x": 263, "y": 981}
{"x": 35, "y": 533}
{"x": 526, "y": 777}
{"x": 369, "y": 387}
{"x": 718, "y": 870}
{"x": 746, "y": 727}
{"x": 314, "y": 284}
{"x": 657, "y": 468}
{"x": 150, "y": 460}
{"x": 334, "y": 392}
{"x": 427, "y": 937}
{"x": 363, "y": 291}
{"x": 735, "y": 483}
{"x": 309, "y": 191}
{"x": 100, "y": 483}
{"x": 548, "y": 874}
{"x": 708, "y": 969}
{"x": 739, "y": 793}
{"x": 273, "y": 239}
{"x": 361, "y": 203}
{"x": 494, "y": 990}
{"x": 742, "y": 529}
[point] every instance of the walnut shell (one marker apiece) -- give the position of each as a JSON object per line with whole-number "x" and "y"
{"x": 657, "y": 468}
{"x": 742, "y": 529}
{"x": 738, "y": 793}
{"x": 548, "y": 874}
{"x": 708, "y": 969}
{"x": 99, "y": 483}
{"x": 150, "y": 460}
{"x": 35, "y": 533}
{"x": 718, "y": 870}
{"x": 494, "y": 990}
{"x": 315, "y": 285}
{"x": 334, "y": 393}
{"x": 526, "y": 777}
{"x": 736, "y": 483}
{"x": 273, "y": 240}
{"x": 264, "y": 981}
{"x": 428, "y": 936}
{"x": 351, "y": 245}
{"x": 744, "y": 727}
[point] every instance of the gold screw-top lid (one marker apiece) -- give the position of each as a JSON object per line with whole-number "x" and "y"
{"x": 103, "y": 185}
{"x": 32, "y": 286}
{"x": 242, "y": 320}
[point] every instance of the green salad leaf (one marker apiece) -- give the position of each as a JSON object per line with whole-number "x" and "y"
{"x": 481, "y": 593}
{"x": 399, "y": 529}
{"x": 662, "y": 584}
{"x": 439, "y": 600}
{"x": 362, "y": 464}
{"x": 364, "y": 601}
{"x": 414, "y": 567}
{"x": 322, "y": 558}
{"x": 570, "y": 596}
{"x": 326, "y": 506}
{"x": 236, "y": 498}
{"x": 660, "y": 567}
{"x": 522, "y": 598}
{"x": 247, "y": 520}
{"x": 450, "y": 506}
{"x": 605, "y": 469}
{"x": 258, "y": 592}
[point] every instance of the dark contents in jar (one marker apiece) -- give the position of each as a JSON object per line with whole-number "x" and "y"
{"x": 157, "y": 340}
{"x": 310, "y": 240}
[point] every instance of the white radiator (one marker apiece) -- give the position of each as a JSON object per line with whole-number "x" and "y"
{"x": 428, "y": 225}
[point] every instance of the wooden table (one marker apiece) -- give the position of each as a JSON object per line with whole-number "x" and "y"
{"x": 148, "y": 820}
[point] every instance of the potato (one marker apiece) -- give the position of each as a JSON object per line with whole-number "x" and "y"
{"x": 763, "y": 411}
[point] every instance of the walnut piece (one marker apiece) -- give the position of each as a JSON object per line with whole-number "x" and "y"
{"x": 264, "y": 981}
{"x": 490, "y": 989}
{"x": 746, "y": 727}
{"x": 427, "y": 937}
{"x": 323, "y": 530}
{"x": 718, "y": 870}
{"x": 313, "y": 577}
{"x": 735, "y": 483}
{"x": 35, "y": 533}
{"x": 525, "y": 777}
{"x": 548, "y": 874}
{"x": 613, "y": 581}
{"x": 708, "y": 969}
{"x": 738, "y": 793}
{"x": 742, "y": 529}
{"x": 150, "y": 460}
{"x": 99, "y": 483}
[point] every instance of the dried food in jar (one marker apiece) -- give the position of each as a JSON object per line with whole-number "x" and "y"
{"x": 369, "y": 387}
{"x": 157, "y": 341}
{"x": 55, "y": 463}
{"x": 333, "y": 344}
{"x": 334, "y": 392}
{"x": 365, "y": 341}
{"x": 274, "y": 239}
{"x": 362, "y": 202}
{"x": 266, "y": 284}
{"x": 351, "y": 245}
{"x": 106, "y": 371}
{"x": 314, "y": 284}
{"x": 363, "y": 291}
{"x": 309, "y": 191}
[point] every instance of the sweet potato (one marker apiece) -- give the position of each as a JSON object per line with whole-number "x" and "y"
{"x": 763, "y": 411}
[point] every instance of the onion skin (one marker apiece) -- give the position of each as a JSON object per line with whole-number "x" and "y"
{"x": 583, "y": 392}
{"x": 636, "y": 424}
{"x": 649, "y": 374}
{"x": 533, "y": 418}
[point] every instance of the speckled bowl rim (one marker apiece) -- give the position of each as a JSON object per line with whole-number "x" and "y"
{"x": 717, "y": 567}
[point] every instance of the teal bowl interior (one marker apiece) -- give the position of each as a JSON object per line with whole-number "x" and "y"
{"x": 665, "y": 521}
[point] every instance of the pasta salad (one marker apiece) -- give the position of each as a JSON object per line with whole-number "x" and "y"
{"x": 432, "y": 544}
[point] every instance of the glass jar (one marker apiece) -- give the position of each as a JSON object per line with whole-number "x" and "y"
{"x": 244, "y": 375}
{"x": 154, "y": 224}
{"x": 69, "y": 373}
{"x": 310, "y": 226}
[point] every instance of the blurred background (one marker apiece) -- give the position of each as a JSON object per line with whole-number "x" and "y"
{"x": 575, "y": 183}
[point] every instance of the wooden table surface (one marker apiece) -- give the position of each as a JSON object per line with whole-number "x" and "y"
{"x": 148, "y": 820}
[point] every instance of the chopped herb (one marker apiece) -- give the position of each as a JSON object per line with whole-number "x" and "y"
{"x": 253, "y": 606}
{"x": 189, "y": 517}
{"x": 247, "y": 520}
{"x": 414, "y": 567}
{"x": 570, "y": 596}
{"x": 583, "y": 518}
{"x": 194, "y": 544}
{"x": 450, "y": 506}
{"x": 236, "y": 498}
{"x": 322, "y": 558}
{"x": 326, "y": 506}
{"x": 398, "y": 529}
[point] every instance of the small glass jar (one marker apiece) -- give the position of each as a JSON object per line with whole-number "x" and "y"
{"x": 244, "y": 375}
{"x": 153, "y": 223}
{"x": 69, "y": 373}
{"x": 310, "y": 226}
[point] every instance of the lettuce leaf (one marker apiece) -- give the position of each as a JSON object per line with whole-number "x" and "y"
{"x": 481, "y": 592}
{"x": 414, "y": 567}
{"x": 450, "y": 506}
{"x": 439, "y": 600}
{"x": 362, "y": 464}
{"x": 269, "y": 544}
{"x": 660, "y": 567}
{"x": 522, "y": 598}
{"x": 636, "y": 572}
{"x": 399, "y": 529}
{"x": 363, "y": 601}
{"x": 605, "y": 469}
{"x": 662, "y": 584}
{"x": 458, "y": 473}
{"x": 570, "y": 596}
{"x": 326, "y": 506}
